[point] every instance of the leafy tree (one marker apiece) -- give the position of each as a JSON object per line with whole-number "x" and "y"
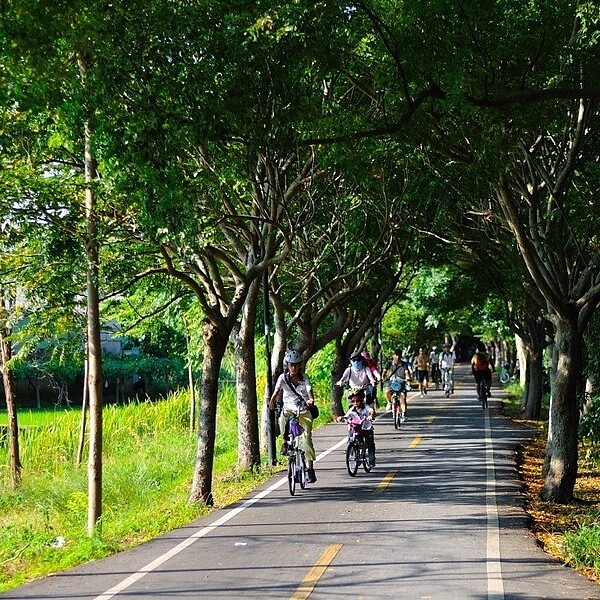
{"x": 520, "y": 114}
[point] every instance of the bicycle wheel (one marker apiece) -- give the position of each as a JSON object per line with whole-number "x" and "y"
{"x": 396, "y": 412}
{"x": 352, "y": 459}
{"x": 301, "y": 469}
{"x": 366, "y": 459}
{"x": 504, "y": 377}
{"x": 292, "y": 475}
{"x": 484, "y": 396}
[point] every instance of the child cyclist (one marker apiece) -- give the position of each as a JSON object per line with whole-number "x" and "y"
{"x": 360, "y": 411}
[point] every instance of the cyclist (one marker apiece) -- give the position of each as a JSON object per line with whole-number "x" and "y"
{"x": 397, "y": 371}
{"x": 482, "y": 367}
{"x": 447, "y": 360}
{"x": 359, "y": 410}
{"x": 434, "y": 361}
{"x": 359, "y": 375}
{"x": 294, "y": 389}
{"x": 422, "y": 371}
{"x": 372, "y": 365}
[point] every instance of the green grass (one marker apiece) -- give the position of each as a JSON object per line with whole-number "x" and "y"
{"x": 582, "y": 547}
{"x": 148, "y": 459}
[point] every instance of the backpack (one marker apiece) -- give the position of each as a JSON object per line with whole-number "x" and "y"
{"x": 482, "y": 361}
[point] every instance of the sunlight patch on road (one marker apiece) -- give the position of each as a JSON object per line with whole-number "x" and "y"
{"x": 305, "y": 589}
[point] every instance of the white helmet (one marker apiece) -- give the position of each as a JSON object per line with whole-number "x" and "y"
{"x": 293, "y": 356}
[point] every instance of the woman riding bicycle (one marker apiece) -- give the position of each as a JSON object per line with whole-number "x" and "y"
{"x": 360, "y": 411}
{"x": 359, "y": 375}
{"x": 296, "y": 390}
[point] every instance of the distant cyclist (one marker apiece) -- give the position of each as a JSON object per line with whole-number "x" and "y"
{"x": 396, "y": 375}
{"x": 447, "y": 360}
{"x": 482, "y": 366}
{"x": 434, "y": 361}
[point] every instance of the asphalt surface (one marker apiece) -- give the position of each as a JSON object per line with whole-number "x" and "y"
{"x": 440, "y": 517}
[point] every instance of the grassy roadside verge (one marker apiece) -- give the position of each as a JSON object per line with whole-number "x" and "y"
{"x": 570, "y": 532}
{"x": 148, "y": 463}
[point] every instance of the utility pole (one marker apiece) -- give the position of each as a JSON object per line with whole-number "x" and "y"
{"x": 271, "y": 413}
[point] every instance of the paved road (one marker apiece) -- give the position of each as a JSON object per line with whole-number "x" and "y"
{"x": 439, "y": 517}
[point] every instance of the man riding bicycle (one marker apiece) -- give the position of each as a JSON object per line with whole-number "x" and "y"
{"x": 396, "y": 374}
{"x": 447, "y": 360}
{"x": 482, "y": 367}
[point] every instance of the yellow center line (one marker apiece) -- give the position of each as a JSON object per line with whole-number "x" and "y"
{"x": 386, "y": 481}
{"x": 415, "y": 442}
{"x": 305, "y": 589}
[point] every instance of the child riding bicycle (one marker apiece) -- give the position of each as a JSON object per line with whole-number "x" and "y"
{"x": 360, "y": 411}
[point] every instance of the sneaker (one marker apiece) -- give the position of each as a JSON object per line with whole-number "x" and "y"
{"x": 402, "y": 419}
{"x": 312, "y": 478}
{"x": 284, "y": 448}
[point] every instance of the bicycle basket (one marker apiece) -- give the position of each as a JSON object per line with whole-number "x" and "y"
{"x": 355, "y": 428}
{"x": 295, "y": 428}
{"x": 396, "y": 385}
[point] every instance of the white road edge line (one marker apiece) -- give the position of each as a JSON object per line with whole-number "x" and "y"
{"x": 157, "y": 562}
{"x": 494, "y": 565}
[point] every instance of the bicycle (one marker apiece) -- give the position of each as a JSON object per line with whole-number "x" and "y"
{"x": 448, "y": 382}
{"x": 297, "y": 469}
{"x": 358, "y": 451}
{"x": 436, "y": 376}
{"x": 505, "y": 375}
{"x": 397, "y": 388}
{"x": 483, "y": 393}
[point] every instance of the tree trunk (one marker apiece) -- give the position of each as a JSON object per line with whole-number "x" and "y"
{"x": 215, "y": 342}
{"x": 338, "y": 367}
{"x": 535, "y": 372}
{"x": 11, "y": 407}
{"x": 560, "y": 466}
{"x": 247, "y": 400}
{"x": 94, "y": 346}
{"x": 84, "y": 407}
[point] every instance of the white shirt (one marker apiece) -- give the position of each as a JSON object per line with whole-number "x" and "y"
{"x": 290, "y": 398}
{"x": 447, "y": 360}
{"x": 356, "y": 378}
{"x": 361, "y": 413}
